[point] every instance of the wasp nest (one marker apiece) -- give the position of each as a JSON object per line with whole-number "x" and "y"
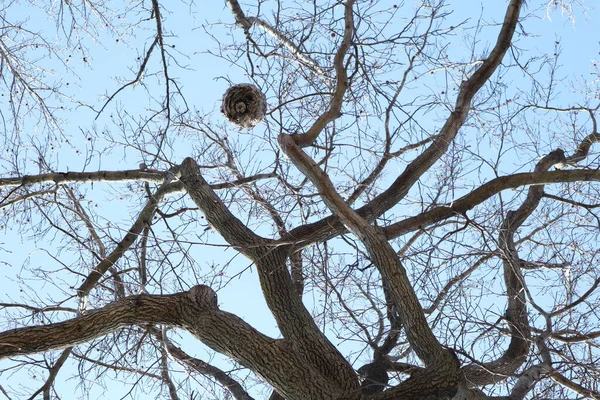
{"x": 244, "y": 105}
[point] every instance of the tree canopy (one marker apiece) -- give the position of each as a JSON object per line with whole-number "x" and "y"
{"x": 299, "y": 200}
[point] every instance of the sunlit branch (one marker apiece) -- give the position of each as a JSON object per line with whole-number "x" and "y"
{"x": 539, "y": 264}
{"x": 247, "y": 22}
{"x": 560, "y": 378}
{"x": 341, "y": 75}
{"x": 164, "y": 373}
{"x": 485, "y": 192}
{"x": 293, "y": 319}
{"x": 383, "y": 256}
{"x": 134, "y": 175}
{"x": 15, "y": 200}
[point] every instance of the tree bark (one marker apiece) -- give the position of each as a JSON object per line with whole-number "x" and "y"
{"x": 275, "y": 360}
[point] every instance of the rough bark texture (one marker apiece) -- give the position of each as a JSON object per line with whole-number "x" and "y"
{"x": 302, "y": 362}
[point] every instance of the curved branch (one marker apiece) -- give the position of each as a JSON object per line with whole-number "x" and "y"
{"x": 418, "y": 332}
{"x": 217, "y": 214}
{"x": 335, "y": 106}
{"x": 204, "y": 368}
{"x": 516, "y": 313}
{"x": 293, "y": 319}
{"x": 197, "y": 312}
{"x": 331, "y": 226}
{"x": 485, "y": 192}
{"x": 585, "y": 145}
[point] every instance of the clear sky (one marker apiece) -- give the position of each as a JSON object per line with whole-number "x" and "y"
{"x": 91, "y": 71}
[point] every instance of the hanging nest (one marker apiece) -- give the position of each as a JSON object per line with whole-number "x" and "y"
{"x": 244, "y": 105}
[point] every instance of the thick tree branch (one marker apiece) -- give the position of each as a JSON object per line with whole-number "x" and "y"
{"x": 293, "y": 319}
{"x": 217, "y": 214}
{"x": 418, "y": 332}
{"x": 331, "y": 226}
{"x": 485, "y": 192}
{"x": 133, "y": 310}
{"x": 516, "y": 313}
{"x": 195, "y": 311}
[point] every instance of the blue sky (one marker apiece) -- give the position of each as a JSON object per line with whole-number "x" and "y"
{"x": 89, "y": 76}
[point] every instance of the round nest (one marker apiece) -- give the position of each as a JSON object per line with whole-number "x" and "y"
{"x": 244, "y": 105}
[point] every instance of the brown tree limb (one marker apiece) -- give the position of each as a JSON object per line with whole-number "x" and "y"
{"x": 293, "y": 319}
{"x": 134, "y": 232}
{"x": 132, "y": 310}
{"x": 418, "y": 332}
{"x": 485, "y": 192}
{"x": 195, "y": 311}
{"x": 516, "y": 313}
{"x": 341, "y": 78}
{"x": 217, "y": 214}
{"x": 331, "y": 226}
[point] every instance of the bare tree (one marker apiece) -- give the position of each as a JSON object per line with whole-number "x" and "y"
{"x": 418, "y": 205}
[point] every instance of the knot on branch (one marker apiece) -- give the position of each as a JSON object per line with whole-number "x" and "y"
{"x": 244, "y": 105}
{"x": 374, "y": 378}
{"x": 204, "y": 296}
